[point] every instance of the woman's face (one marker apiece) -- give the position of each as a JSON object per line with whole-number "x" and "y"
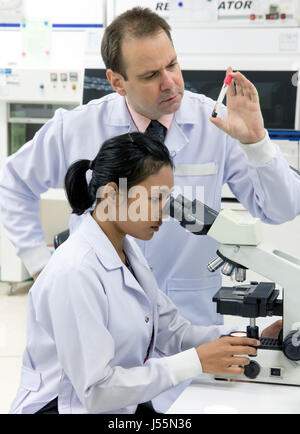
{"x": 141, "y": 216}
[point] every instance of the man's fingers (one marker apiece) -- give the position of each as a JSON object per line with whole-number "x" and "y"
{"x": 254, "y": 94}
{"x": 239, "y": 78}
{"x": 231, "y": 90}
{"x": 251, "y": 91}
{"x": 229, "y": 70}
{"x": 238, "y": 83}
{"x": 220, "y": 123}
{"x": 239, "y": 89}
{"x": 244, "y": 87}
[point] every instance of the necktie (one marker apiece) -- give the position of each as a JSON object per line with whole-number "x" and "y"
{"x": 156, "y": 130}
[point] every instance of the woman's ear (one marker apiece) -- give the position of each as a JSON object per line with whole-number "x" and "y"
{"x": 107, "y": 204}
{"x": 111, "y": 191}
{"x": 116, "y": 81}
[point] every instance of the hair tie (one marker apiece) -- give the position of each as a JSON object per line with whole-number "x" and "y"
{"x": 91, "y": 165}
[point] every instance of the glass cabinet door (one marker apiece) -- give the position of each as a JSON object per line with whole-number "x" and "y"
{"x": 26, "y": 119}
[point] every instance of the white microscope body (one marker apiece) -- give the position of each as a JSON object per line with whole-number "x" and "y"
{"x": 241, "y": 243}
{"x": 241, "y": 247}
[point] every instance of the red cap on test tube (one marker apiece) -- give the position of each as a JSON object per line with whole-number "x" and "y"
{"x": 228, "y": 79}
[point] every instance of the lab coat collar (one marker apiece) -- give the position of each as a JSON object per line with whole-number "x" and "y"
{"x": 100, "y": 243}
{"x": 176, "y": 139}
{"x": 119, "y": 114}
{"x": 106, "y": 253}
{"x": 102, "y": 246}
{"x": 141, "y": 269}
{"x": 186, "y": 114}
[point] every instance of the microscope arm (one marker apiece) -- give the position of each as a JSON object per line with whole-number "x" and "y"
{"x": 241, "y": 247}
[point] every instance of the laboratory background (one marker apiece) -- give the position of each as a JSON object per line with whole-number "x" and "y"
{"x": 50, "y": 58}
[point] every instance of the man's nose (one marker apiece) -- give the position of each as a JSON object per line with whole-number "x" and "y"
{"x": 167, "y": 81}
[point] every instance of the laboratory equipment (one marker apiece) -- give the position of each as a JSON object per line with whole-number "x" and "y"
{"x": 216, "y": 13}
{"x": 28, "y": 99}
{"x": 279, "y": 98}
{"x": 222, "y": 94}
{"x": 241, "y": 248}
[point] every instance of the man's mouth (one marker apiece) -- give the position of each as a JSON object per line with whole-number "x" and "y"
{"x": 170, "y": 99}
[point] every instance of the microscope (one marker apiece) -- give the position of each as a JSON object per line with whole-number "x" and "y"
{"x": 241, "y": 247}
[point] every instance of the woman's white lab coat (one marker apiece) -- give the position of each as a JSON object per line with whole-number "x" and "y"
{"x": 90, "y": 324}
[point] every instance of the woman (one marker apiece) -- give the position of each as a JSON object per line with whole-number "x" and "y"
{"x": 95, "y": 313}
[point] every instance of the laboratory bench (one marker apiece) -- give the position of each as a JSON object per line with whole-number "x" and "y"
{"x": 207, "y": 395}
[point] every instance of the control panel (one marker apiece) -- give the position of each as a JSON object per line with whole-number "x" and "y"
{"x": 41, "y": 85}
{"x": 220, "y": 13}
{"x": 268, "y": 13}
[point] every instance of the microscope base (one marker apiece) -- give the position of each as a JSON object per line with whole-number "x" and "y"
{"x": 274, "y": 368}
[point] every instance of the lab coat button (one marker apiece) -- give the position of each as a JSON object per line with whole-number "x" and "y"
{"x": 147, "y": 319}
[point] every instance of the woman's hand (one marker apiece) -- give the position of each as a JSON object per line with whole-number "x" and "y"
{"x": 226, "y": 355}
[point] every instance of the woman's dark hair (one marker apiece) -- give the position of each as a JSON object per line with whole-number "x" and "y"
{"x": 133, "y": 156}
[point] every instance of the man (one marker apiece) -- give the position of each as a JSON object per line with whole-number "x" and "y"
{"x": 142, "y": 68}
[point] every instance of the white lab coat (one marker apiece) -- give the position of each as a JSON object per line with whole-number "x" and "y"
{"x": 90, "y": 323}
{"x": 203, "y": 156}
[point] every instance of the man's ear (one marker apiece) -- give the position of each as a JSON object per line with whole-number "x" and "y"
{"x": 116, "y": 81}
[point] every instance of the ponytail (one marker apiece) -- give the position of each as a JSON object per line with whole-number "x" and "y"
{"x": 133, "y": 156}
{"x": 77, "y": 188}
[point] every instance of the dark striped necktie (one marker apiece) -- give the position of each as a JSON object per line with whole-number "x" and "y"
{"x": 156, "y": 130}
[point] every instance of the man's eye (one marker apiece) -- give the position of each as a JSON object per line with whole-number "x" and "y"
{"x": 151, "y": 76}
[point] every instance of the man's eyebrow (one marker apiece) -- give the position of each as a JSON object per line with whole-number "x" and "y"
{"x": 156, "y": 70}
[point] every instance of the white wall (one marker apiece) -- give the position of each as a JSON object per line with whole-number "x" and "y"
{"x": 65, "y": 11}
{"x": 67, "y": 46}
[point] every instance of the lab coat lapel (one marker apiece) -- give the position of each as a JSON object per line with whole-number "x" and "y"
{"x": 184, "y": 118}
{"x": 145, "y": 278}
{"x": 148, "y": 283}
{"x": 175, "y": 139}
{"x": 105, "y": 251}
{"x": 130, "y": 280}
{"x": 120, "y": 117}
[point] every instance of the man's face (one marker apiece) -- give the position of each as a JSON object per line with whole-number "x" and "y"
{"x": 154, "y": 84}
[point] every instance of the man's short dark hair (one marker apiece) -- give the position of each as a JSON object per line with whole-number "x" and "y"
{"x": 135, "y": 23}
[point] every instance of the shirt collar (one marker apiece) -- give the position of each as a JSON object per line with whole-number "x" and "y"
{"x": 142, "y": 122}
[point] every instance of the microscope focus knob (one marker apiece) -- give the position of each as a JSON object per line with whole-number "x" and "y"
{"x": 291, "y": 346}
{"x": 252, "y": 370}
